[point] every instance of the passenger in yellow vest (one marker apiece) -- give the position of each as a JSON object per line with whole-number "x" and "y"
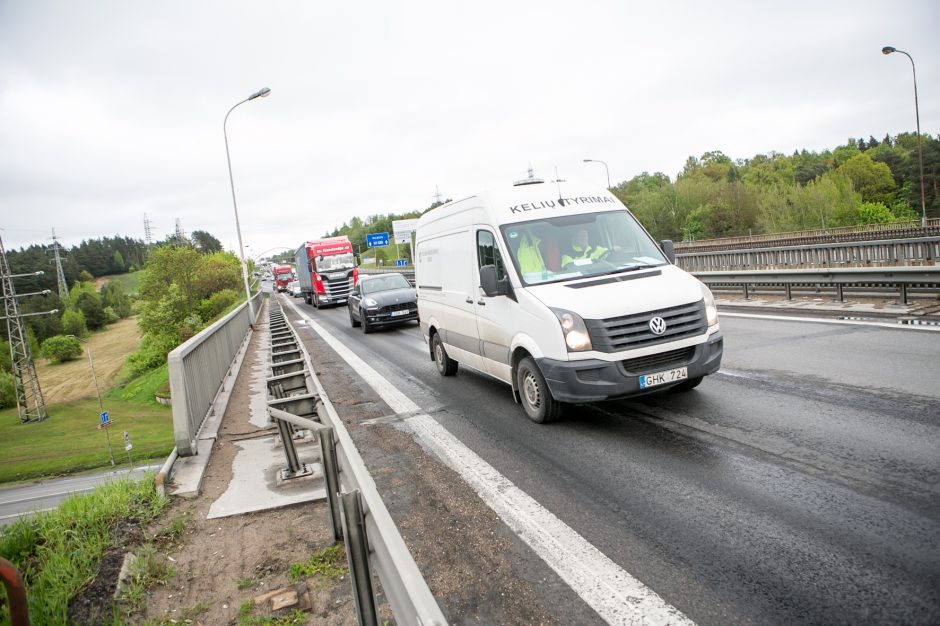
{"x": 582, "y": 249}
{"x": 529, "y": 255}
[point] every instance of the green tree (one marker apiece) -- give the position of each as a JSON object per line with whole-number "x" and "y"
{"x": 117, "y": 262}
{"x": 872, "y": 180}
{"x": 61, "y": 348}
{"x": 205, "y": 242}
{"x": 90, "y": 305}
{"x": 7, "y": 390}
{"x": 73, "y": 323}
{"x": 112, "y": 296}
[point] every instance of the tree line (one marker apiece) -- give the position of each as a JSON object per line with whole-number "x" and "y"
{"x": 860, "y": 182}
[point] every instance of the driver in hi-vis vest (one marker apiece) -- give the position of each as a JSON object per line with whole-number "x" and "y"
{"x": 582, "y": 249}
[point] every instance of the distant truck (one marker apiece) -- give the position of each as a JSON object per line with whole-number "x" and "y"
{"x": 326, "y": 269}
{"x": 283, "y": 274}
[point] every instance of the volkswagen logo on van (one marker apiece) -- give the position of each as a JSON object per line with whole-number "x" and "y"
{"x": 658, "y": 325}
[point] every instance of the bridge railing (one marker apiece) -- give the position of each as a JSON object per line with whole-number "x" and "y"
{"x": 901, "y": 281}
{"x": 198, "y": 368}
{"x": 357, "y": 514}
{"x": 893, "y": 252}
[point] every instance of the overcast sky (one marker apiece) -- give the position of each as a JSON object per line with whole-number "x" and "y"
{"x": 110, "y": 110}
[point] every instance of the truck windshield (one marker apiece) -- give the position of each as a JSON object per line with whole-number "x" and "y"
{"x": 335, "y": 262}
{"x": 575, "y": 246}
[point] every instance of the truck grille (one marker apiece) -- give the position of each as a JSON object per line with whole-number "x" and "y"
{"x": 341, "y": 287}
{"x": 632, "y": 331}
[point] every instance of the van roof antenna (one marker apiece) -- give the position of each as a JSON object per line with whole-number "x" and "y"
{"x": 531, "y": 180}
{"x": 559, "y": 181}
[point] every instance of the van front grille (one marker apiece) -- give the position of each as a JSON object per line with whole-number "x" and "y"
{"x": 655, "y": 362}
{"x": 628, "y": 332}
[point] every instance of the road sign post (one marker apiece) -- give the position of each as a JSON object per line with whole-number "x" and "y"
{"x": 104, "y": 425}
{"x": 128, "y": 446}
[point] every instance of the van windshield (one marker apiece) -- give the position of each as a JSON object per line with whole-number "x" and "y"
{"x": 575, "y": 246}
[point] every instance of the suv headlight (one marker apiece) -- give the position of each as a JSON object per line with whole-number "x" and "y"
{"x": 576, "y": 334}
{"x": 369, "y": 303}
{"x": 711, "y": 310}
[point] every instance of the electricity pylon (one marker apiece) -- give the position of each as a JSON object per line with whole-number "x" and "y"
{"x": 30, "y": 404}
{"x": 63, "y": 286}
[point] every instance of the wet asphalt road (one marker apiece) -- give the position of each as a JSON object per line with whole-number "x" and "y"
{"x": 798, "y": 485}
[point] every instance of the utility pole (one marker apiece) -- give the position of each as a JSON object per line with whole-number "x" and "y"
{"x": 63, "y": 286}
{"x": 30, "y": 404}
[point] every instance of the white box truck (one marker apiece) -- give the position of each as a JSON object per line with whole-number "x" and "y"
{"x": 557, "y": 290}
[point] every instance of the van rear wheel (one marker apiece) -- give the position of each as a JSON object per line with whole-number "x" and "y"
{"x": 445, "y": 365}
{"x": 536, "y": 398}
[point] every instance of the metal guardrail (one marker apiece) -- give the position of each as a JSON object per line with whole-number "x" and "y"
{"x": 356, "y": 511}
{"x": 894, "y": 252}
{"x": 901, "y": 280}
{"x": 896, "y": 230}
{"x": 198, "y": 368}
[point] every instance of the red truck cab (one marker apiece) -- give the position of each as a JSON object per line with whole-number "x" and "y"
{"x": 326, "y": 269}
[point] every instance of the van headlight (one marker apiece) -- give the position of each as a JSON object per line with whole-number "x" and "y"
{"x": 576, "y": 334}
{"x": 711, "y": 311}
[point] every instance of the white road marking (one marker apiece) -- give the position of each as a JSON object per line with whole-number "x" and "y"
{"x": 819, "y": 320}
{"x": 611, "y": 591}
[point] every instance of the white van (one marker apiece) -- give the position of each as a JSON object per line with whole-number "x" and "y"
{"x": 557, "y": 290}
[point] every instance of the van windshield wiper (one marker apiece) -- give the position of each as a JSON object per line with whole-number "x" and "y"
{"x": 631, "y": 268}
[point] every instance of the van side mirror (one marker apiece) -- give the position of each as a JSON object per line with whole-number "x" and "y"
{"x": 488, "y": 280}
{"x": 669, "y": 249}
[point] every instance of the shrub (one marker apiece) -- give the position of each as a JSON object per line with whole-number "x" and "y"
{"x": 211, "y": 307}
{"x": 73, "y": 323}
{"x": 7, "y": 391}
{"x": 90, "y": 305}
{"x": 61, "y": 348}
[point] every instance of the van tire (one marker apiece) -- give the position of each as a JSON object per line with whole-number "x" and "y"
{"x": 689, "y": 384}
{"x": 445, "y": 365}
{"x": 534, "y": 394}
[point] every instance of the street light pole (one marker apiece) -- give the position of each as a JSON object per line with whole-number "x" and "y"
{"x": 241, "y": 250}
{"x": 920, "y": 145}
{"x": 605, "y": 168}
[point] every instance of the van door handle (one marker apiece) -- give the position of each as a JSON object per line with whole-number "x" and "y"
{"x": 480, "y": 302}
{"x": 469, "y": 300}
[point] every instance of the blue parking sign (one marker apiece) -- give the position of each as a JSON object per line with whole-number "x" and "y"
{"x": 401, "y": 262}
{"x": 104, "y": 417}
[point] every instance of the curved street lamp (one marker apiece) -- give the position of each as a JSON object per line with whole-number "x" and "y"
{"x": 920, "y": 146}
{"x": 605, "y": 168}
{"x": 263, "y": 92}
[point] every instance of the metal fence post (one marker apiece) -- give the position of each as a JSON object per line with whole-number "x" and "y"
{"x": 331, "y": 476}
{"x": 357, "y": 555}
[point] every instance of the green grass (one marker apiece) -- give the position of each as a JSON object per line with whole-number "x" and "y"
{"x": 142, "y": 390}
{"x": 329, "y": 562}
{"x": 60, "y": 551}
{"x": 129, "y": 282}
{"x": 69, "y": 441}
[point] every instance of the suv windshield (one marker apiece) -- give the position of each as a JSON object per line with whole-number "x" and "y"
{"x": 575, "y": 246}
{"x": 335, "y": 262}
{"x": 384, "y": 283}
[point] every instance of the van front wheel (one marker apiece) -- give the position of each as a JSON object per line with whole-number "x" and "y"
{"x": 537, "y": 400}
{"x": 445, "y": 365}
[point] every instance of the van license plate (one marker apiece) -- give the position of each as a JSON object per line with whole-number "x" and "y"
{"x": 661, "y": 378}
